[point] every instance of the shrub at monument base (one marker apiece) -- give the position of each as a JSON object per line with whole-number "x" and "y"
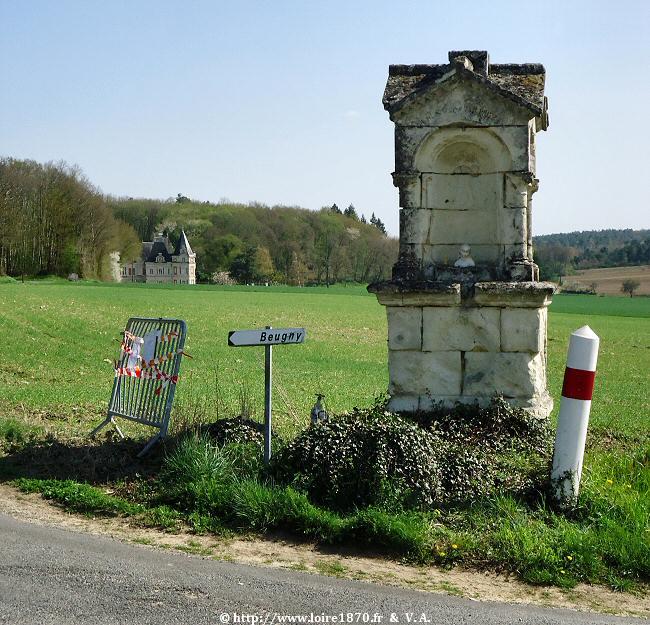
{"x": 377, "y": 458}
{"x": 363, "y": 459}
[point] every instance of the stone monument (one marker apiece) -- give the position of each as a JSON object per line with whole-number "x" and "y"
{"x": 466, "y": 311}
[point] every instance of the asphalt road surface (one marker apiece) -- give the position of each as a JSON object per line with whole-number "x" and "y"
{"x": 51, "y": 576}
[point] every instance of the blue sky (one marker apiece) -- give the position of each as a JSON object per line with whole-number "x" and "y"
{"x": 280, "y": 102}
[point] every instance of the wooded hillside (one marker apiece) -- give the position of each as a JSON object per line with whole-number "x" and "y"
{"x": 255, "y": 242}
{"x": 54, "y": 221}
{"x": 559, "y": 254}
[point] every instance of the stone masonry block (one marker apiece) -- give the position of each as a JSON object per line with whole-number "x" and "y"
{"x": 459, "y": 226}
{"x": 509, "y": 374}
{"x": 404, "y": 403}
{"x": 421, "y": 373}
{"x": 515, "y": 251}
{"x": 461, "y": 329}
{"x": 461, "y": 191}
{"x": 513, "y": 226}
{"x": 414, "y": 224}
{"x": 523, "y": 329}
{"x": 516, "y": 191}
{"x": 404, "y": 327}
{"x": 407, "y": 141}
{"x": 516, "y": 139}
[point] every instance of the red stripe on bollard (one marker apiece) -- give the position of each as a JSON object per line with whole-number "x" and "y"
{"x": 578, "y": 384}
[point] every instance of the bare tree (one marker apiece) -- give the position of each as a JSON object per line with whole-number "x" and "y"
{"x": 630, "y": 286}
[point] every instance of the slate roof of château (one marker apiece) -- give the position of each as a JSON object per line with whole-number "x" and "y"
{"x": 155, "y": 248}
{"x": 183, "y": 243}
{"x": 523, "y": 83}
{"x": 151, "y": 249}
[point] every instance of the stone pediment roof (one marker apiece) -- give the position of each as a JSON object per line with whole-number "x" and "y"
{"x": 523, "y": 83}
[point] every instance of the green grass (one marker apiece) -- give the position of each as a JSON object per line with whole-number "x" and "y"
{"x": 17, "y": 432}
{"x": 59, "y": 336}
{"x": 79, "y": 497}
{"x": 597, "y": 305}
{"x": 605, "y": 540}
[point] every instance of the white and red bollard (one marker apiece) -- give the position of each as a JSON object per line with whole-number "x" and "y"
{"x": 573, "y": 419}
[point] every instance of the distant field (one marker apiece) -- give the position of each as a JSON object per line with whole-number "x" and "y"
{"x": 58, "y": 336}
{"x": 610, "y": 279}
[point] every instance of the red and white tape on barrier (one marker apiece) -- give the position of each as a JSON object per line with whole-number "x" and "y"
{"x": 143, "y": 371}
{"x": 162, "y": 358}
{"x": 144, "y": 374}
{"x": 573, "y": 419}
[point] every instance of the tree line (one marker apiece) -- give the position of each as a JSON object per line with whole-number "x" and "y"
{"x": 560, "y": 254}
{"x": 258, "y": 243}
{"x": 54, "y": 221}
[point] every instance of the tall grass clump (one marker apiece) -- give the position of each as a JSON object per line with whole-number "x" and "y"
{"x": 15, "y": 433}
{"x": 604, "y": 539}
{"x": 229, "y": 483}
{"x": 79, "y": 497}
{"x": 192, "y": 469}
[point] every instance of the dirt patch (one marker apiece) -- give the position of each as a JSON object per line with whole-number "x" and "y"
{"x": 608, "y": 281}
{"x": 286, "y": 554}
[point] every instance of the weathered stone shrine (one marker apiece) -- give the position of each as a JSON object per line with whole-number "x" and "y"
{"x": 466, "y": 312}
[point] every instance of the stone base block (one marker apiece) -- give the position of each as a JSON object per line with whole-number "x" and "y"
{"x": 404, "y": 327}
{"x": 461, "y": 329}
{"x": 540, "y": 406}
{"x": 447, "y": 345}
{"x": 523, "y": 329}
{"x": 424, "y": 373}
{"x": 511, "y": 374}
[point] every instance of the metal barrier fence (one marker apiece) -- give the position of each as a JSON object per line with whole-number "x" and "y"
{"x": 146, "y": 375}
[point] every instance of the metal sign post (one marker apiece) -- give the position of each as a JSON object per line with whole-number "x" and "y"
{"x": 267, "y": 337}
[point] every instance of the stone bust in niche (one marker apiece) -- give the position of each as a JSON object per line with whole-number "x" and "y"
{"x": 464, "y": 257}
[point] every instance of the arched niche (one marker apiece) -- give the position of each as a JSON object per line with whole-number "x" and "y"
{"x": 462, "y": 172}
{"x": 449, "y": 150}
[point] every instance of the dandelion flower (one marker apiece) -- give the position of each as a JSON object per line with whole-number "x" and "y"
{"x": 454, "y": 546}
{"x": 610, "y": 482}
{"x": 569, "y": 558}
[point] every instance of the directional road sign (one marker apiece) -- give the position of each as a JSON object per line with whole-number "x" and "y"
{"x": 275, "y": 336}
{"x": 267, "y": 337}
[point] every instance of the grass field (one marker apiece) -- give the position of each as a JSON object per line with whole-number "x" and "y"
{"x": 608, "y": 280}
{"x": 56, "y": 375}
{"x": 60, "y": 339}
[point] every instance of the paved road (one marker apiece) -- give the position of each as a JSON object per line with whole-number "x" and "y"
{"x": 51, "y": 576}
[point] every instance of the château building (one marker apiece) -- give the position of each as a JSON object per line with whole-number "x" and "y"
{"x": 161, "y": 263}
